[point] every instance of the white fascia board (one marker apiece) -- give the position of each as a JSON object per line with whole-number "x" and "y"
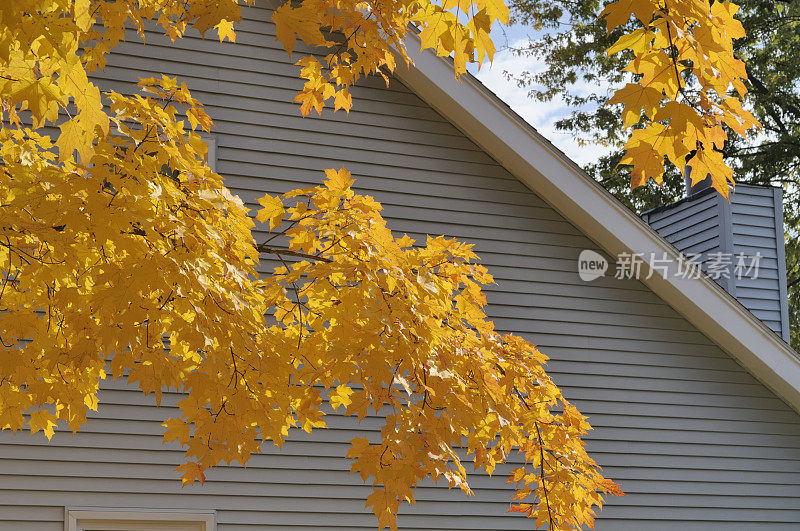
{"x": 550, "y": 173}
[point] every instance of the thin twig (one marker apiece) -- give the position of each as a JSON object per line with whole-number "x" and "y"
{"x": 286, "y": 252}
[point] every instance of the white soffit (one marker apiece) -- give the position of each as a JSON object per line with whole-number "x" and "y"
{"x": 550, "y": 173}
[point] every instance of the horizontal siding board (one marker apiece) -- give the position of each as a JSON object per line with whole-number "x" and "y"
{"x": 761, "y": 221}
{"x": 350, "y": 497}
{"x": 224, "y": 477}
{"x": 750, "y": 190}
{"x": 245, "y": 133}
{"x": 621, "y": 525}
{"x": 358, "y": 161}
{"x": 759, "y": 286}
{"x": 285, "y": 510}
{"x": 522, "y": 217}
{"x": 366, "y": 112}
{"x": 756, "y": 290}
{"x": 755, "y": 196}
{"x": 751, "y": 210}
{"x": 775, "y": 326}
{"x": 760, "y": 304}
{"x": 500, "y": 312}
{"x": 497, "y": 296}
{"x": 753, "y": 193}
{"x": 334, "y": 443}
{"x": 275, "y": 80}
{"x": 681, "y": 217}
{"x": 602, "y": 400}
{"x": 285, "y": 167}
{"x": 332, "y": 470}
{"x": 748, "y": 229}
{"x": 746, "y": 242}
{"x": 604, "y": 417}
{"x": 767, "y": 270}
{"x": 701, "y": 207}
{"x": 768, "y": 316}
{"x": 689, "y": 242}
{"x": 766, "y": 403}
{"x": 503, "y": 198}
{"x": 661, "y": 480}
{"x": 615, "y": 331}
{"x": 114, "y": 416}
{"x": 688, "y": 227}
{"x": 114, "y": 419}
{"x": 29, "y": 524}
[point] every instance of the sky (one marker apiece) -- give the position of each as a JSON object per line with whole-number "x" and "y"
{"x": 541, "y": 115}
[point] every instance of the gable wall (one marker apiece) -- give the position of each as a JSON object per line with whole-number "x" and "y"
{"x": 694, "y": 439}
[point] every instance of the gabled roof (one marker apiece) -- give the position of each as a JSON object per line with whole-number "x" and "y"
{"x": 531, "y": 158}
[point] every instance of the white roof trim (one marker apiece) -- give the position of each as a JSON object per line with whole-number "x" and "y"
{"x": 525, "y": 153}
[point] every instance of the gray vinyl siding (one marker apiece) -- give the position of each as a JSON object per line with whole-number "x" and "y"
{"x": 695, "y": 440}
{"x": 691, "y": 226}
{"x": 757, "y": 226}
{"x": 698, "y": 227}
{"x": 751, "y": 223}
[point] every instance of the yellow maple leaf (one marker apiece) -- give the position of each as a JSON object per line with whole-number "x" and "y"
{"x": 42, "y": 420}
{"x": 343, "y": 100}
{"x": 619, "y": 12}
{"x": 292, "y": 22}
{"x": 272, "y": 211}
{"x": 225, "y": 30}
{"x": 41, "y": 96}
{"x": 658, "y": 71}
{"x": 645, "y": 151}
{"x": 637, "y": 41}
{"x": 82, "y": 14}
{"x": 637, "y": 99}
{"x": 480, "y": 26}
{"x": 496, "y": 9}
{"x": 191, "y": 472}
{"x": 338, "y": 180}
{"x": 176, "y": 430}
{"x": 341, "y": 396}
{"x": 724, "y": 12}
{"x": 707, "y": 162}
{"x": 72, "y": 138}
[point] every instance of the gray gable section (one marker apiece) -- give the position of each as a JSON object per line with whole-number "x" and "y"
{"x": 696, "y": 441}
{"x": 750, "y": 224}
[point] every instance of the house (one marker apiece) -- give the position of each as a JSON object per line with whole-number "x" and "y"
{"x": 694, "y": 400}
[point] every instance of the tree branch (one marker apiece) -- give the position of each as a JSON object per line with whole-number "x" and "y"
{"x": 286, "y": 252}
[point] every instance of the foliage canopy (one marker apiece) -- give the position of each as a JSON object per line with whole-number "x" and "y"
{"x": 122, "y": 251}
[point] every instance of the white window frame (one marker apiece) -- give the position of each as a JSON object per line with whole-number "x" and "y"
{"x": 211, "y": 156}
{"x": 85, "y": 519}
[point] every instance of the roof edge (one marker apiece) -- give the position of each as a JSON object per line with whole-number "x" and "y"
{"x": 546, "y": 170}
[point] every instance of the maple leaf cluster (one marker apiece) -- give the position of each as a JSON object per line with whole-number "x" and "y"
{"x": 398, "y": 327}
{"x": 362, "y": 38}
{"x": 684, "y": 67}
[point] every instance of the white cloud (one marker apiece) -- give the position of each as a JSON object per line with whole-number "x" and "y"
{"x": 541, "y": 115}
